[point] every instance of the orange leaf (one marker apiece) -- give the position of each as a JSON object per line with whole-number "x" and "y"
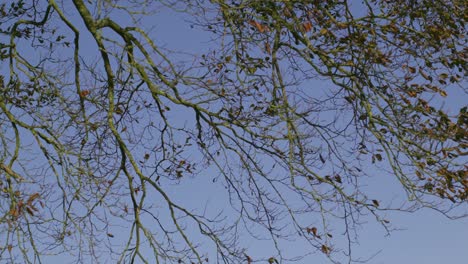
{"x": 259, "y": 26}
{"x": 307, "y": 26}
{"x": 314, "y": 231}
{"x": 267, "y": 47}
{"x": 84, "y": 93}
{"x": 13, "y": 212}
{"x": 32, "y": 198}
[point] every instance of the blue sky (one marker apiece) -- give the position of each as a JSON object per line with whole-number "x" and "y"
{"x": 426, "y": 236}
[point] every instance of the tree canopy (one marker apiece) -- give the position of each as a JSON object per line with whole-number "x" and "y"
{"x": 293, "y": 106}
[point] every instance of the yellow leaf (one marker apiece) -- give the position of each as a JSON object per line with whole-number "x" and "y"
{"x": 443, "y": 76}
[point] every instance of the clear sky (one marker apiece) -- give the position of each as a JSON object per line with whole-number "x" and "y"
{"x": 425, "y": 236}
